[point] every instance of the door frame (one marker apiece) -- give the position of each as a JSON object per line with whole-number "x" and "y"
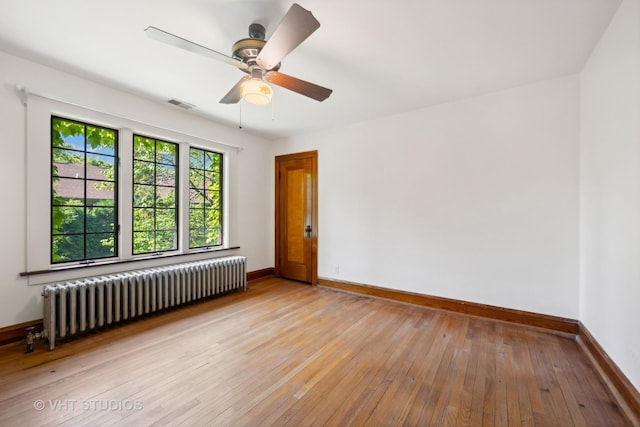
{"x": 313, "y": 155}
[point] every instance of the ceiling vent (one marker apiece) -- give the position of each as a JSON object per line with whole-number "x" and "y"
{"x": 181, "y": 104}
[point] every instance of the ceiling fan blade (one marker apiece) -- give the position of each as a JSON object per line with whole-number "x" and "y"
{"x": 234, "y": 95}
{"x": 302, "y": 87}
{"x": 177, "y": 41}
{"x": 295, "y": 27}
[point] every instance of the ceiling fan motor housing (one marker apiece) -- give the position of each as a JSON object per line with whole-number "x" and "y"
{"x": 246, "y": 50}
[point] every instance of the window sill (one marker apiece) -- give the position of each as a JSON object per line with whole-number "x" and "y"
{"x": 85, "y": 265}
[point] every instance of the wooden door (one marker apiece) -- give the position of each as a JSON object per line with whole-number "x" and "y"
{"x": 296, "y": 216}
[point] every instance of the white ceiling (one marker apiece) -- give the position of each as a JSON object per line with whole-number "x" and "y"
{"x": 379, "y": 57}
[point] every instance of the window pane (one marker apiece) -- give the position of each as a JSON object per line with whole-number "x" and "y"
{"x": 143, "y": 242}
{"x": 208, "y": 160}
{"x": 143, "y": 219}
{"x": 166, "y": 153}
{"x": 216, "y": 164}
{"x": 69, "y": 163}
{"x": 143, "y": 172}
{"x": 196, "y": 178}
{"x": 213, "y": 218}
{"x": 100, "y": 245}
{"x": 165, "y": 175}
{"x": 196, "y": 158}
{"x": 143, "y": 196}
{"x": 143, "y": 148}
{"x": 166, "y": 241}
{"x": 101, "y": 220}
{"x": 165, "y": 219}
{"x": 212, "y": 161}
{"x": 68, "y": 189}
{"x": 196, "y": 218}
{"x": 166, "y": 197}
{"x": 196, "y": 239}
{"x": 101, "y": 167}
{"x": 66, "y": 133}
{"x": 67, "y": 248}
{"x": 196, "y": 197}
{"x": 99, "y": 190}
{"x": 213, "y": 181}
{"x": 100, "y": 140}
{"x": 213, "y": 237}
{"x": 67, "y": 220}
{"x": 213, "y": 199}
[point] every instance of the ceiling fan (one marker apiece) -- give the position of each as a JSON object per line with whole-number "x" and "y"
{"x": 260, "y": 58}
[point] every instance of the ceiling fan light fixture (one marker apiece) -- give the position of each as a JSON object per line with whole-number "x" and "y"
{"x": 255, "y": 91}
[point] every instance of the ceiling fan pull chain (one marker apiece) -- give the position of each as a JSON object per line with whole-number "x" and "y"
{"x": 240, "y": 116}
{"x": 273, "y": 109}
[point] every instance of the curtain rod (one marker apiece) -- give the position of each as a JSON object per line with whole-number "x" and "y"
{"x": 24, "y": 93}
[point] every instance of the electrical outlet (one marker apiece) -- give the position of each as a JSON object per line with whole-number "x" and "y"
{"x": 337, "y": 270}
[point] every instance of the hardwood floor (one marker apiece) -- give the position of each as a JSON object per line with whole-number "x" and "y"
{"x": 285, "y": 353}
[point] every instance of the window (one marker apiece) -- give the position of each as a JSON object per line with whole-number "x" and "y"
{"x": 105, "y": 189}
{"x": 83, "y": 191}
{"x": 205, "y": 198}
{"x": 155, "y": 201}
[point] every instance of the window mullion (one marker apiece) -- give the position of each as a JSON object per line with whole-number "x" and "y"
{"x": 125, "y": 193}
{"x": 183, "y": 199}
{"x": 84, "y": 207}
{"x": 155, "y": 195}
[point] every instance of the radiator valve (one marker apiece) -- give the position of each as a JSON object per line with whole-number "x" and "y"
{"x": 31, "y": 336}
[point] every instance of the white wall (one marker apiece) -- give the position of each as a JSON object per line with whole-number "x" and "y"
{"x": 20, "y": 302}
{"x": 475, "y": 200}
{"x": 610, "y": 191}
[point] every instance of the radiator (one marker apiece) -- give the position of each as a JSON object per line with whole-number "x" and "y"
{"x": 80, "y": 306}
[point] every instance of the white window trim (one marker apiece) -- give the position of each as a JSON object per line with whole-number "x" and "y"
{"x": 38, "y": 154}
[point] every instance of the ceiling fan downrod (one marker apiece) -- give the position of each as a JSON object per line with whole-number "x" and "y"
{"x": 257, "y": 31}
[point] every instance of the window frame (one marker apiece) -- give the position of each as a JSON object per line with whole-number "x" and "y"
{"x": 220, "y": 209}
{"x": 85, "y": 204}
{"x": 176, "y": 187}
{"x": 38, "y": 268}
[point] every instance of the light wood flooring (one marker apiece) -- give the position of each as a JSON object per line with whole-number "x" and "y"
{"x": 288, "y": 354}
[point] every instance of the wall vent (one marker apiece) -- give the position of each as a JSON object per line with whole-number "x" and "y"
{"x": 181, "y": 104}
